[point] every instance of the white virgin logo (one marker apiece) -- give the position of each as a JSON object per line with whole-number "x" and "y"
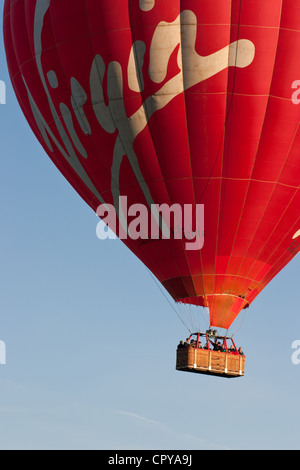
{"x": 112, "y": 116}
{"x": 147, "y": 5}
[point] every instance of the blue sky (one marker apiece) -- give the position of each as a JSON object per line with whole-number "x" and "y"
{"x": 90, "y": 339}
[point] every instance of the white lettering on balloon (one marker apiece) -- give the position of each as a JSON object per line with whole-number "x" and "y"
{"x": 112, "y": 117}
{"x": 147, "y": 5}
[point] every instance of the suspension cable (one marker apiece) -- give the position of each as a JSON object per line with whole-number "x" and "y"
{"x": 170, "y": 303}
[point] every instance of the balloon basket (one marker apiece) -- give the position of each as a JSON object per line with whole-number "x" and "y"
{"x": 226, "y": 363}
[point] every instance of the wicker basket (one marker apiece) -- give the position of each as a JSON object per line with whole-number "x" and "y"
{"x": 205, "y": 361}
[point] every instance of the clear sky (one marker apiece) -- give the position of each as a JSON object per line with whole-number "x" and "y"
{"x": 90, "y": 338}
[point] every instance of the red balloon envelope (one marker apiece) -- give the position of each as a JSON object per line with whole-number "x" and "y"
{"x": 176, "y": 102}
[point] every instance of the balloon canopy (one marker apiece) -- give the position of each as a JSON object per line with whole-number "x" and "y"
{"x": 173, "y": 102}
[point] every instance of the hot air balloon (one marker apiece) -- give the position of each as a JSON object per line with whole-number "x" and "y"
{"x": 168, "y": 102}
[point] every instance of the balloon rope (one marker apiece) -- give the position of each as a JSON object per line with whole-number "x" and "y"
{"x": 168, "y": 301}
{"x": 241, "y": 321}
